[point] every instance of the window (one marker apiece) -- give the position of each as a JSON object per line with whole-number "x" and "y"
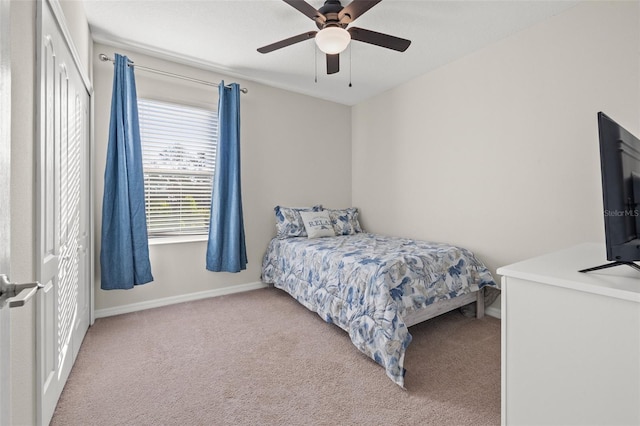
{"x": 179, "y": 153}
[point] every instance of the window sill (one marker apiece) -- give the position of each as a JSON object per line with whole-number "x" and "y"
{"x": 158, "y": 241}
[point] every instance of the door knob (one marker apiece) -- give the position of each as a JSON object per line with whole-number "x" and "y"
{"x": 16, "y": 294}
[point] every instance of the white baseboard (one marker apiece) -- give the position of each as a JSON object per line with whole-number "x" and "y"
{"x": 494, "y": 311}
{"x": 156, "y": 303}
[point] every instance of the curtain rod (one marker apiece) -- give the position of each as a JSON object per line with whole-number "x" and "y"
{"x": 105, "y": 58}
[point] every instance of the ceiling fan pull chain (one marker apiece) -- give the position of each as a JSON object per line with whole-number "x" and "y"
{"x": 315, "y": 65}
{"x": 350, "y": 49}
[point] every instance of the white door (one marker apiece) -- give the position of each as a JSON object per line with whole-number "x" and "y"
{"x": 5, "y": 162}
{"x": 63, "y": 213}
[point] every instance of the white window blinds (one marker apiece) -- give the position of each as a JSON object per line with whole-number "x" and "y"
{"x": 179, "y": 154}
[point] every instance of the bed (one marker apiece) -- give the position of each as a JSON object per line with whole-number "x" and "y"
{"x": 374, "y": 286}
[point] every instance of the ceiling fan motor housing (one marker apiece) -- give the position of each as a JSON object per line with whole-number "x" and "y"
{"x": 331, "y": 10}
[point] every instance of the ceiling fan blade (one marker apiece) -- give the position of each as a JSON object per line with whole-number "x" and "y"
{"x": 333, "y": 63}
{"x": 379, "y": 39}
{"x": 355, "y": 9}
{"x": 307, "y": 10}
{"x": 287, "y": 42}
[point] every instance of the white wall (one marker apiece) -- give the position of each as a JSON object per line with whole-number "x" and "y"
{"x": 296, "y": 150}
{"x": 498, "y": 151}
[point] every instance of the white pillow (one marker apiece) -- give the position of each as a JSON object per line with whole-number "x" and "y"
{"x": 317, "y": 224}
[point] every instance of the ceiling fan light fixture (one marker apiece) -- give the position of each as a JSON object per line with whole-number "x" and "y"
{"x": 333, "y": 40}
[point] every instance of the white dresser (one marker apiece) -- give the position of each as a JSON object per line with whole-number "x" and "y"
{"x": 570, "y": 341}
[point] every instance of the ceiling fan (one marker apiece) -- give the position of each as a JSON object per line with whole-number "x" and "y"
{"x": 332, "y": 20}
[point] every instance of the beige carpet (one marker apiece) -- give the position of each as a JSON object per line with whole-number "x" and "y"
{"x": 260, "y": 358}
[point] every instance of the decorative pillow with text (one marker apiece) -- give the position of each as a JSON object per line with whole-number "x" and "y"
{"x": 317, "y": 224}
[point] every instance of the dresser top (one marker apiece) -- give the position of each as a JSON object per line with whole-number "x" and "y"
{"x": 561, "y": 269}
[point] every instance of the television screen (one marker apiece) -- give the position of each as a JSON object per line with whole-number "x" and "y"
{"x": 620, "y": 167}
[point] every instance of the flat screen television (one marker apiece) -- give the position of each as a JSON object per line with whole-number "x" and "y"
{"x": 620, "y": 167}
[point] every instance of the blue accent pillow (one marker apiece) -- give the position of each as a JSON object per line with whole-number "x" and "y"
{"x": 289, "y": 222}
{"x": 345, "y": 221}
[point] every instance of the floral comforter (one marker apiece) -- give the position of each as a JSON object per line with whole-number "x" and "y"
{"x": 365, "y": 283}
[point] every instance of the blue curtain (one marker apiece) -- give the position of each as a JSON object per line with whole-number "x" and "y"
{"x": 124, "y": 254}
{"x": 226, "y": 249}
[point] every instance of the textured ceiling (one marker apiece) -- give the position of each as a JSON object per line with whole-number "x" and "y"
{"x": 223, "y": 35}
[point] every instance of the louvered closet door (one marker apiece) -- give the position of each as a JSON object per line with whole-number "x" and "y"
{"x": 63, "y": 311}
